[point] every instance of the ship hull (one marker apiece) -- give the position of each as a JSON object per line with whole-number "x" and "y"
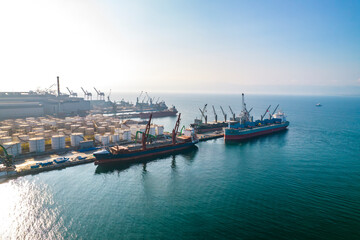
{"x": 210, "y": 127}
{"x": 241, "y": 135}
{"x": 158, "y": 114}
{"x": 107, "y": 158}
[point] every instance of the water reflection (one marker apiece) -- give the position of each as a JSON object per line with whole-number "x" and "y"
{"x": 28, "y": 211}
{"x": 188, "y": 154}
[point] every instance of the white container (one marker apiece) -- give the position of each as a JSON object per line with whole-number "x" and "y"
{"x": 23, "y": 138}
{"x": 105, "y": 140}
{"x": 13, "y": 148}
{"x": 189, "y": 132}
{"x": 115, "y": 138}
{"x": 38, "y": 129}
{"x": 57, "y": 142}
{"x": 133, "y": 129}
{"x": 4, "y": 133}
{"x": 127, "y": 135}
{"x": 159, "y": 130}
{"x": 101, "y": 129}
{"x": 76, "y": 138}
{"x": 5, "y": 140}
{"x": 47, "y": 133}
{"x": 37, "y": 144}
{"x": 89, "y": 131}
{"x": 152, "y": 131}
{"x": 97, "y": 138}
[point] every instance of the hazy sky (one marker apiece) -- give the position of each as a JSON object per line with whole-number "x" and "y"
{"x": 198, "y": 46}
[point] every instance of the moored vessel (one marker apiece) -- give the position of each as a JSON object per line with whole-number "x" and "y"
{"x": 201, "y": 126}
{"x": 246, "y": 128}
{"x": 155, "y": 114}
{"x": 149, "y": 147}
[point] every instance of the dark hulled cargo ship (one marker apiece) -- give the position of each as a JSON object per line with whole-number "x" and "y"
{"x": 146, "y": 150}
{"x": 156, "y": 114}
{"x": 246, "y": 128}
{"x": 202, "y": 127}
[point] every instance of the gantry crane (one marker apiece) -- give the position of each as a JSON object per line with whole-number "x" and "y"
{"x": 100, "y": 95}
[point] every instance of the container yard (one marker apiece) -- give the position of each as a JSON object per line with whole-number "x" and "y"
{"x": 31, "y": 141}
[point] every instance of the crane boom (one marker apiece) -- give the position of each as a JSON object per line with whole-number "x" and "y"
{"x": 83, "y": 91}
{"x": 233, "y": 114}
{"x": 274, "y": 111}
{"x": 69, "y": 91}
{"x": 250, "y": 110}
{"x": 176, "y": 129}
{"x": 262, "y": 116}
{"x": 214, "y": 113}
{"x": 146, "y": 133}
{"x": 97, "y": 91}
{"x": 225, "y": 115}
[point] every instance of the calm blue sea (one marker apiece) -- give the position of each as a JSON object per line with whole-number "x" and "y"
{"x": 303, "y": 183}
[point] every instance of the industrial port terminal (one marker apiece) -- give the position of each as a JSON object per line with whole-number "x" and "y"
{"x": 43, "y": 130}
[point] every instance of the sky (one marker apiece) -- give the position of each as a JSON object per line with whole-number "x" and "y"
{"x": 279, "y": 47}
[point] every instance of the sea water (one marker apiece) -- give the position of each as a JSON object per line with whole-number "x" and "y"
{"x": 303, "y": 183}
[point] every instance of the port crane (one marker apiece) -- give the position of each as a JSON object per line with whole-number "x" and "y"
{"x": 48, "y": 91}
{"x": 72, "y": 94}
{"x": 7, "y": 158}
{"x": 137, "y": 99}
{"x": 267, "y": 110}
{"x": 214, "y": 113}
{"x": 149, "y": 98}
{"x": 108, "y": 97}
{"x": 233, "y": 114}
{"x": 225, "y": 115}
{"x": 203, "y": 113}
{"x": 146, "y": 133}
{"x": 100, "y": 95}
{"x": 176, "y": 129}
{"x": 87, "y": 95}
{"x": 274, "y": 111}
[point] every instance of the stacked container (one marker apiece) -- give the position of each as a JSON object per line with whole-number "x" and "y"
{"x": 57, "y": 142}
{"x": 37, "y": 145}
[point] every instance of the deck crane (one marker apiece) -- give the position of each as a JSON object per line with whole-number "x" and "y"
{"x": 225, "y": 115}
{"x": 250, "y": 110}
{"x": 87, "y": 95}
{"x": 100, "y": 95}
{"x": 176, "y": 129}
{"x": 203, "y": 113}
{"x": 47, "y": 90}
{"x": 214, "y": 113}
{"x": 267, "y": 110}
{"x": 137, "y": 99}
{"x": 274, "y": 111}
{"x": 7, "y": 158}
{"x": 108, "y": 97}
{"x": 232, "y": 113}
{"x": 72, "y": 94}
{"x": 157, "y": 100}
{"x": 146, "y": 133}
{"x": 149, "y": 98}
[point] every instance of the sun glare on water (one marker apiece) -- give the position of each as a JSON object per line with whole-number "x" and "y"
{"x": 27, "y": 211}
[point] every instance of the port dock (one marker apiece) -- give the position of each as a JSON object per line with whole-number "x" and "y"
{"x": 210, "y": 135}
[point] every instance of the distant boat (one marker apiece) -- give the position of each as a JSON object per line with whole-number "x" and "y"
{"x": 318, "y": 105}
